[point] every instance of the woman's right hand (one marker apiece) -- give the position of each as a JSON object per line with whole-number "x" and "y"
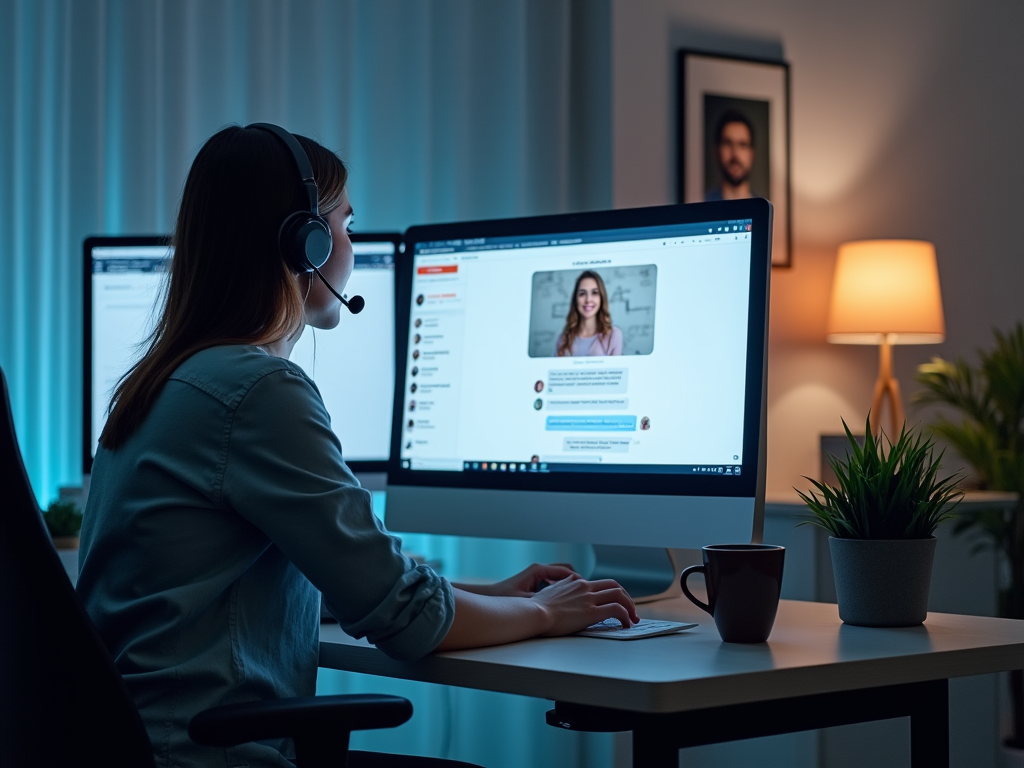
{"x": 573, "y": 604}
{"x": 561, "y": 608}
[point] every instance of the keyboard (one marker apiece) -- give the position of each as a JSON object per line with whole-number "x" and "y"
{"x": 611, "y": 629}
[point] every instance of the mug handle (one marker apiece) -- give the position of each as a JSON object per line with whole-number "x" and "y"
{"x": 682, "y": 583}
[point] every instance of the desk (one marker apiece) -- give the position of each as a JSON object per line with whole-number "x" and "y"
{"x": 691, "y": 688}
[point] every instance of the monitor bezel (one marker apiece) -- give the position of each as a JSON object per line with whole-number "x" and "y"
{"x": 751, "y": 482}
{"x": 363, "y": 467}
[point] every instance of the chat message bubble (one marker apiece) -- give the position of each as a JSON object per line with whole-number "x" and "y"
{"x": 588, "y": 380}
{"x": 596, "y": 444}
{"x": 590, "y": 423}
{"x": 589, "y": 404}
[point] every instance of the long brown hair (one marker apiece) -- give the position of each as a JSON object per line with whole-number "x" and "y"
{"x": 229, "y": 283}
{"x": 573, "y": 320}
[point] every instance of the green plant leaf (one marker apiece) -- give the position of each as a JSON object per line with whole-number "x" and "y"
{"x": 988, "y": 431}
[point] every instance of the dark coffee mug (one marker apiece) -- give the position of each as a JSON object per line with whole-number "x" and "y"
{"x": 743, "y": 583}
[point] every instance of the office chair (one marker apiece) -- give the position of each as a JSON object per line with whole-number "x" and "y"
{"x": 62, "y": 700}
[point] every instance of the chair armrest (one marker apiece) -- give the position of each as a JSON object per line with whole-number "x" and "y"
{"x": 234, "y": 724}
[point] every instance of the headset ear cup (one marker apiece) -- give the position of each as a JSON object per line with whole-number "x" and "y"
{"x": 305, "y": 242}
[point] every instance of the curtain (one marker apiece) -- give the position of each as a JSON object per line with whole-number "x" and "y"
{"x": 444, "y": 109}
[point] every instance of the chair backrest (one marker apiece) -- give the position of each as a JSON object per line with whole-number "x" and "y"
{"x": 62, "y": 700}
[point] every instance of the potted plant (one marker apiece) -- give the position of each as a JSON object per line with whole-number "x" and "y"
{"x": 882, "y": 514}
{"x": 989, "y": 434}
{"x": 64, "y": 522}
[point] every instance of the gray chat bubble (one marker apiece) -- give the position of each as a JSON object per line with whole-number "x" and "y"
{"x": 588, "y": 380}
{"x": 596, "y": 444}
{"x": 589, "y": 404}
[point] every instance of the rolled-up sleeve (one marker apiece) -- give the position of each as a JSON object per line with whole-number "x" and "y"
{"x": 284, "y": 473}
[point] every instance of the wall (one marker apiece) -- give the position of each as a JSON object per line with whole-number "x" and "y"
{"x": 905, "y": 123}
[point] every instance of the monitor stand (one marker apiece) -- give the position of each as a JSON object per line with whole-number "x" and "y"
{"x": 646, "y": 573}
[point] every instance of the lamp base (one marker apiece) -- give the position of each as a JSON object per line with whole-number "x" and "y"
{"x": 887, "y": 387}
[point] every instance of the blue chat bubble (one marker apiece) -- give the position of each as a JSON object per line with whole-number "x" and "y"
{"x": 590, "y": 424}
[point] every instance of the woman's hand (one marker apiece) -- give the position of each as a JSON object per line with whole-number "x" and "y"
{"x": 526, "y": 583}
{"x": 574, "y": 604}
{"x": 516, "y": 609}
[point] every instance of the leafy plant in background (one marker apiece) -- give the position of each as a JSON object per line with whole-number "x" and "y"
{"x": 884, "y": 494}
{"x": 989, "y": 434}
{"x": 63, "y": 518}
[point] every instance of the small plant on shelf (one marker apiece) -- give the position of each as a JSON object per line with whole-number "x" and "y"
{"x": 63, "y": 520}
{"x": 884, "y": 494}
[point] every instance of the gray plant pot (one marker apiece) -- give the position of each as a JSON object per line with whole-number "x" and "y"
{"x": 882, "y": 582}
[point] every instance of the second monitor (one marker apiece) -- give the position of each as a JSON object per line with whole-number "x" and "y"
{"x": 353, "y": 365}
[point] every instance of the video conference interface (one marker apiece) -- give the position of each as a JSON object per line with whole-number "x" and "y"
{"x": 604, "y": 351}
{"x": 126, "y": 283}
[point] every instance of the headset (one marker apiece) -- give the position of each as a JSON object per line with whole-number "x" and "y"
{"x": 305, "y": 237}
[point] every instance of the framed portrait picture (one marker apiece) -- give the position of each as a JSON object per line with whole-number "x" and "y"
{"x": 733, "y": 142}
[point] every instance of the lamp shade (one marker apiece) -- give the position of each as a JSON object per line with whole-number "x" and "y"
{"x": 886, "y": 290}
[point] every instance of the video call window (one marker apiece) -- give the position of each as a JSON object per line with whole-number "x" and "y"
{"x": 589, "y": 352}
{"x": 618, "y": 302}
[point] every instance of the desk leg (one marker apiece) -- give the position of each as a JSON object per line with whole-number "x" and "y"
{"x": 929, "y": 726}
{"x": 654, "y": 748}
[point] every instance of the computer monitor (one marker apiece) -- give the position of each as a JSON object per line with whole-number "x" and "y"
{"x": 647, "y": 430}
{"x": 353, "y": 365}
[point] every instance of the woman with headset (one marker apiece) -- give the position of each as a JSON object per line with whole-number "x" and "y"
{"x": 220, "y": 505}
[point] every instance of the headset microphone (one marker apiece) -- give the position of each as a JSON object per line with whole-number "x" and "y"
{"x": 354, "y": 305}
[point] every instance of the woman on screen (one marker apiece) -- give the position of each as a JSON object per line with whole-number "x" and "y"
{"x": 221, "y": 507}
{"x": 588, "y": 326}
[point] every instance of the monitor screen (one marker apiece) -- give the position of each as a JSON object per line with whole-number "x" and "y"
{"x": 560, "y": 375}
{"x": 124, "y": 278}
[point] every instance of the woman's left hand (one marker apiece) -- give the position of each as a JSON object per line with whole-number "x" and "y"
{"x": 526, "y": 583}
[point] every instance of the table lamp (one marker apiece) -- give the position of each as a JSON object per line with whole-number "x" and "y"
{"x": 886, "y": 292}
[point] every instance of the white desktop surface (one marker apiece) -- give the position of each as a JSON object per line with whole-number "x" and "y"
{"x": 810, "y": 651}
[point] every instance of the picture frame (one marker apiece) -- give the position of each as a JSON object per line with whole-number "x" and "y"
{"x": 733, "y": 136}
